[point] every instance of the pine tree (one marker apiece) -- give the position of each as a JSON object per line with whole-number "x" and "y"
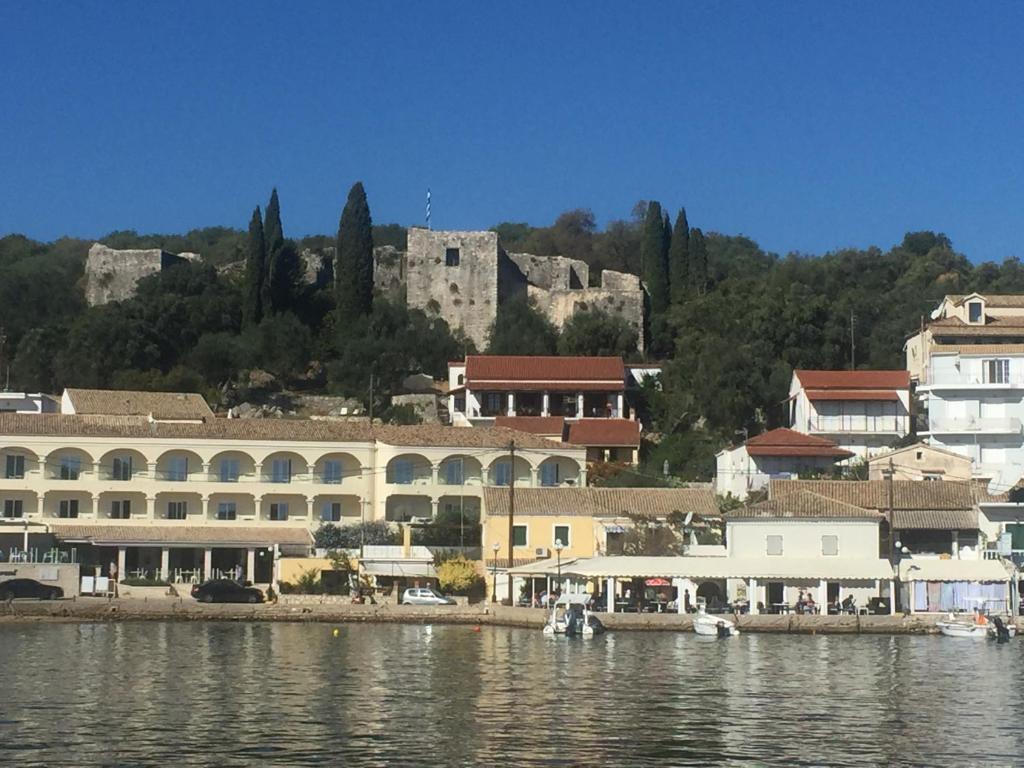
{"x": 698, "y": 262}
{"x": 654, "y": 258}
{"x": 255, "y": 267}
{"x": 679, "y": 259}
{"x": 273, "y": 238}
{"x": 353, "y": 262}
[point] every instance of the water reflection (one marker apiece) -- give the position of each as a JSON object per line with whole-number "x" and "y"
{"x": 294, "y": 694}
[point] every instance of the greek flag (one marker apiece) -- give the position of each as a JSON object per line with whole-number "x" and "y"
{"x": 428, "y": 207}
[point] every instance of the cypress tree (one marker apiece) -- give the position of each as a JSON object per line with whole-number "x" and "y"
{"x": 679, "y": 259}
{"x": 698, "y": 262}
{"x": 654, "y": 258}
{"x": 353, "y": 261}
{"x": 273, "y": 239}
{"x": 255, "y": 267}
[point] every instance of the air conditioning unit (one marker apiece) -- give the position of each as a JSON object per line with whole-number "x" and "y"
{"x": 541, "y": 552}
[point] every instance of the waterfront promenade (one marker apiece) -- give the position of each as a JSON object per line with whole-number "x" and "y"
{"x": 481, "y": 614}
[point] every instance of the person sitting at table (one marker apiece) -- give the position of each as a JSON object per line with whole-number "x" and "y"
{"x": 809, "y": 604}
{"x": 849, "y": 605}
{"x": 800, "y": 602}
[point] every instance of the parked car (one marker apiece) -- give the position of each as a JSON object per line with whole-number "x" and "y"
{"x": 29, "y": 588}
{"x": 424, "y": 596}
{"x": 226, "y": 591}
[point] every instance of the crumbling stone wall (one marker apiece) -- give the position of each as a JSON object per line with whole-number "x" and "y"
{"x": 558, "y": 272}
{"x": 454, "y": 275}
{"x": 620, "y": 294}
{"x": 112, "y": 275}
{"x": 389, "y": 271}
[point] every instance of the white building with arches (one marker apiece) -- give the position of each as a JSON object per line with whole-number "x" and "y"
{"x": 157, "y": 484}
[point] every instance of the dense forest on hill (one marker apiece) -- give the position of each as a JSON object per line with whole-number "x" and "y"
{"x": 729, "y": 321}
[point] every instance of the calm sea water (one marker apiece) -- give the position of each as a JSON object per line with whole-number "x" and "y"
{"x": 292, "y": 694}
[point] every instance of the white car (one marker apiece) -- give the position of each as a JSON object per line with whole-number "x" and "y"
{"x": 423, "y": 596}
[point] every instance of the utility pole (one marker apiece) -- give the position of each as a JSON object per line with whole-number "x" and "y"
{"x": 853, "y": 343}
{"x": 511, "y": 513}
{"x": 371, "y": 399}
{"x": 894, "y": 555}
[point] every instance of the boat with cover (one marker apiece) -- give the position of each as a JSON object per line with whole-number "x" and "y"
{"x": 713, "y": 626}
{"x": 571, "y": 616}
{"x": 976, "y": 626}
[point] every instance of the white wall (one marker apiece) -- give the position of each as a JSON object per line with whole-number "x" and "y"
{"x": 858, "y": 539}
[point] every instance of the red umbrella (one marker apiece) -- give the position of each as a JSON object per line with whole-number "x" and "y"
{"x": 658, "y": 583}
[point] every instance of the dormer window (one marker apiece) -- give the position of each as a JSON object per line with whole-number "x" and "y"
{"x": 975, "y": 312}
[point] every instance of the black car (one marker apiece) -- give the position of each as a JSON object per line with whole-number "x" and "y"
{"x": 28, "y": 588}
{"x": 226, "y": 591}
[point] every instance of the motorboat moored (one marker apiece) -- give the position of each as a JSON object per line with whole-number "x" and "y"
{"x": 571, "y": 616}
{"x": 713, "y": 626}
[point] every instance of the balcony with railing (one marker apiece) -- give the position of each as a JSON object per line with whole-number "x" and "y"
{"x": 859, "y": 423}
{"x": 965, "y": 379}
{"x": 991, "y": 425}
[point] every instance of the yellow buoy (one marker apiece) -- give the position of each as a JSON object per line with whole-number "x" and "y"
{"x": 335, "y": 633}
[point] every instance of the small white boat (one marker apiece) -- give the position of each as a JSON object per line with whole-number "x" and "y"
{"x": 571, "y": 616}
{"x": 953, "y": 626}
{"x": 713, "y": 626}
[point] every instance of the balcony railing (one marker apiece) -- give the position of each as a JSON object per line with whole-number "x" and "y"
{"x": 1003, "y": 425}
{"x": 961, "y": 379}
{"x": 857, "y": 423}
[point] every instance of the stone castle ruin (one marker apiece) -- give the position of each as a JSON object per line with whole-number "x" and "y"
{"x": 112, "y": 275}
{"x": 460, "y": 276}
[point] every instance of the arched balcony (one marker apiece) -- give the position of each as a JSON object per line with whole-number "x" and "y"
{"x": 558, "y": 470}
{"x": 410, "y": 469}
{"x": 17, "y": 463}
{"x": 460, "y": 470}
{"x": 179, "y": 506}
{"x": 179, "y": 466}
{"x": 232, "y": 467}
{"x": 68, "y": 464}
{"x": 227, "y": 507}
{"x": 284, "y": 467}
{"x": 337, "y": 508}
{"x": 401, "y": 508}
{"x": 17, "y": 505}
{"x": 282, "y": 507}
{"x": 68, "y": 505}
{"x": 337, "y": 469}
{"x": 115, "y": 505}
{"x": 122, "y": 465}
{"x": 500, "y": 472}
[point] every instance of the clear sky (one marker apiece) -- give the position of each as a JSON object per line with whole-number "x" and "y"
{"x": 807, "y": 127}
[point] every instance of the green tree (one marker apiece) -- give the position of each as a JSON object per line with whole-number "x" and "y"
{"x": 595, "y": 332}
{"x": 353, "y": 264}
{"x": 460, "y": 576}
{"x": 521, "y": 329}
{"x": 654, "y": 248}
{"x": 679, "y": 259}
{"x": 698, "y": 266}
{"x": 255, "y": 271}
{"x": 273, "y": 240}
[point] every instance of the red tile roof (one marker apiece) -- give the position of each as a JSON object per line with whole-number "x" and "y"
{"x": 789, "y": 442}
{"x": 536, "y": 425}
{"x": 852, "y": 394}
{"x": 854, "y": 379}
{"x": 605, "y": 433}
{"x": 490, "y": 371}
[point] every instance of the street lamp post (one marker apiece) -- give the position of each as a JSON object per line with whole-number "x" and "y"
{"x": 558, "y": 554}
{"x": 899, "y": 552}
{"x": 494, "y": 573}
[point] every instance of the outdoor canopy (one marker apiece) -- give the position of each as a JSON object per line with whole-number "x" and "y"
{"x": 767, "y": 568}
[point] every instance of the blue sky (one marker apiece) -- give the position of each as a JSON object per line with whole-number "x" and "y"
{"x": 807, "y": 127}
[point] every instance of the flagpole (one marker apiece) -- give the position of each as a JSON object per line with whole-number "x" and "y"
{"x": 428, "y": 207}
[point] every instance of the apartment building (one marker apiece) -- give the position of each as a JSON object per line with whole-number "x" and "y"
{"x": 968, "y": 362}
{"x": 156, "y": 482}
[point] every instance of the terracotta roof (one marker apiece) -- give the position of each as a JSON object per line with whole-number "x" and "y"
{"x": 853, "y": 379}
{"x": 852, "y": 394}
{"x": 604, "y": 433}
{"x": 295, "y": 430}
{"x": 997, "y": 300}
{"x": 495, "y": 371}
{"x": 161, "y": 405}
{"x": 547, "y": 385}
{"x": 874, "y": 494}
{"x": 804, "y": 504}
{"x": 191, "y": 534}
{"x": 977, "y": 349}
{"x": 935, "y": 519}
{"x": 535, "y": 425}
{"x": 602, "y": 502}
{"x": 918, "y": 447}
{"x": 789, "y": 442}
{"x": 994, "y": 326}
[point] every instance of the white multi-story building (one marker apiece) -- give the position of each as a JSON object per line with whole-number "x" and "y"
{"x": 969, "y": 365}
{"x": 154, "y": 482}
{"x": 27, "y": 402}
{"x": 863, "y": 412}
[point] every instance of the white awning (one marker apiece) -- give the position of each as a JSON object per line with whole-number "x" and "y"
{"x": 545, "y": 567}
{"x": 763, "y": 568}
{"x": 928, "y": 569}
{"x": 400, "y": 570}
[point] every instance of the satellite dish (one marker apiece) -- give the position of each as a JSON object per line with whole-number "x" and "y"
{"x": 688, "y": 520}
